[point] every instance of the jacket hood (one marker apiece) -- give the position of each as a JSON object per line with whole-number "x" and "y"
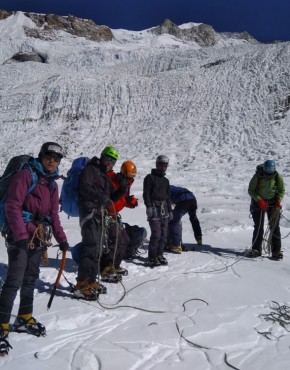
{"x": 39, "y": 168}
{"x": 95, "y": 161}
{"x": 157, "y": 173}
{"x": 260, "y": 171}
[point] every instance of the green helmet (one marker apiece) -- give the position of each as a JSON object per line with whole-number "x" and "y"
{"x": 110, "y": 151}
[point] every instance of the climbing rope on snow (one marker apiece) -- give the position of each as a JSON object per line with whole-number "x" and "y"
{"x": 280, "y": 315}
{"x": 195, "y": 345}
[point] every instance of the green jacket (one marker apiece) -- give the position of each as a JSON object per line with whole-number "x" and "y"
{"x": 267, "y": 187}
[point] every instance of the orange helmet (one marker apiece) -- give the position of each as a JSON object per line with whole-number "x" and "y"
{"x": 129, "y": 169}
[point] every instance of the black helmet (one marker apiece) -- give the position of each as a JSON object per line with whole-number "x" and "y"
{"x": 51, "y": 147}
{"x": 162, "y": 159}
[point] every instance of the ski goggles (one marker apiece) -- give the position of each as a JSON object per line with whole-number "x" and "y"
{"x": 52, "y": 156}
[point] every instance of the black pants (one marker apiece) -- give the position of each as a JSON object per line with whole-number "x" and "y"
{"x": 117, "y": 243}
{"x": 91, "y": 230}
{"x": 259, "y": 218}
{"x": 23, "y": 271}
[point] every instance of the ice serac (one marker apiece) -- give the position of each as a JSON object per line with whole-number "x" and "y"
{"x": 144, "y": 91}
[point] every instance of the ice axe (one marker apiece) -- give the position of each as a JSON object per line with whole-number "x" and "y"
{"x": 57, "y": 280}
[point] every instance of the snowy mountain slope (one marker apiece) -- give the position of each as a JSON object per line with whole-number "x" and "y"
{"x": 208, "y": 99}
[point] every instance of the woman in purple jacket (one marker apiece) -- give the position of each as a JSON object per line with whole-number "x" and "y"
{"x": 25, "y": 238}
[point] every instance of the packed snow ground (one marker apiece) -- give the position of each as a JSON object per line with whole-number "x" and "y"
{"x": 202, "y": 310}
{"x": 213, "y": 111}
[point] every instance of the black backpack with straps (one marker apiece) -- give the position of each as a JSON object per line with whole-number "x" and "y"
{"x": 14, "y": 165}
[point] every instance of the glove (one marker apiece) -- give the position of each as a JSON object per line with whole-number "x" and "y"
{"x": 21, "y": 243}
{"x": 263, "y": 205}
{"x": 149, "y": 212}
{"x": 63, "y": 246}
{"x": 170, "y": 216}
{"x": 132, "y": 201}
{"x": 278, "y": 204}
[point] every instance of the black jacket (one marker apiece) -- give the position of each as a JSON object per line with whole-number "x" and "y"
{"x": 95, "y": 188}
{"x": 156, "y": 188}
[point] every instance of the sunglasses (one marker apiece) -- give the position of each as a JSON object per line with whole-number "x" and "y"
{"x": 110, "y": 159}
{"x": 52, "y": 156}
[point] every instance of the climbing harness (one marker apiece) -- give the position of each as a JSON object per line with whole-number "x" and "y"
{"x": 41, "y": 237}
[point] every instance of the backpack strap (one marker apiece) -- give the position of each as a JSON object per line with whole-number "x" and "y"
{"x": 28, "y": 216}
{"x": 34, "y": 180}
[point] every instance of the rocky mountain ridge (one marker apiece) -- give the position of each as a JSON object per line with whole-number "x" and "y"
{"x": 203, "y": 34}
{"x": 46, "y": 26}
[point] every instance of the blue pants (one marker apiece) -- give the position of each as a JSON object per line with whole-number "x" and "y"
{"x": 175, "y": 227}
{"x": 159, "y": 228}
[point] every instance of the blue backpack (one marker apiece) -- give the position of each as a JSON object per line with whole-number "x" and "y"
{"x": 69, "y": 197}
{"x": 14, "y": 165}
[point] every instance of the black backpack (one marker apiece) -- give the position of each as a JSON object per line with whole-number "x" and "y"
{"x": 14, "y": 165}
{"x": 137, "y": 236}
{"x": 260, "y": 173}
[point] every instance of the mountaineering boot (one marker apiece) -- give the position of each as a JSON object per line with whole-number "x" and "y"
{"x": 199, "y": 241}
{"x": 109, "y": 275}
{"x": 163, "y": 261}
{"x": 121, "y": 271}
{"x": 254, "y": 253}
{"x": 28, "y": 324}
{"x": 153, "y": 262}
{"x": 100, "y": 288}
{"x": 4, "y": 344}
{"x": 86, "y": 290}
{"x": 174, "y": 249}
{"x": 277, "y": 256}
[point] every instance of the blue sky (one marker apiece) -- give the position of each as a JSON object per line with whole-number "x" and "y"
{"x": 266, "y": 20}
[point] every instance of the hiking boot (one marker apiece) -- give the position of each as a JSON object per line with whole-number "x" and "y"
{"x": 254, "y": 253}
{"x": 162, "y": 260}
{"x": 154, "y": 262}
{"x": 30, "y": 326}
{"x": 199, "y": 241}
{"x": 174, "y": 249}
{"x": 277, "y": 256}
{"x": 86, "y": 290}
{"x": 121, "y": 271}
{"x": 4, "y": 344}
{"x": 110, "y": 275}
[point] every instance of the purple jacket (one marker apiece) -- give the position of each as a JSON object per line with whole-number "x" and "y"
{"x": 41, "y": 202}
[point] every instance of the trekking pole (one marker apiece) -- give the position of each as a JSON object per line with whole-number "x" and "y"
{"x": 57, "y": 280}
